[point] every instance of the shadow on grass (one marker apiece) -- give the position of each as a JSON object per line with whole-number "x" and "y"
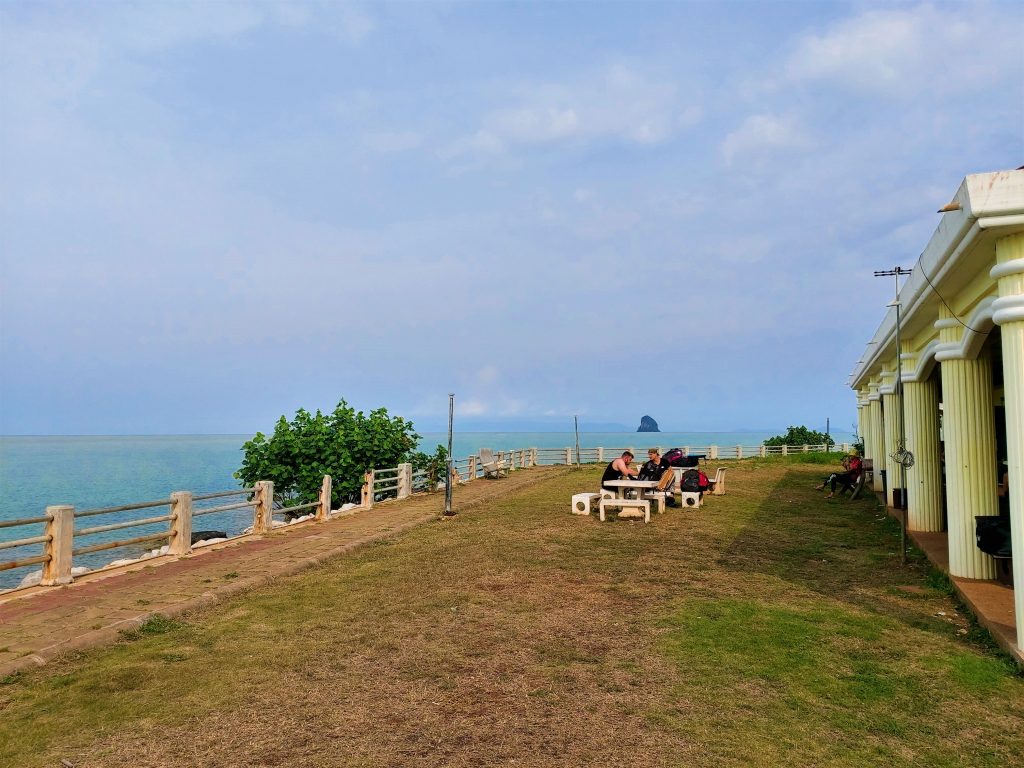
{"x": 842, "y": 548}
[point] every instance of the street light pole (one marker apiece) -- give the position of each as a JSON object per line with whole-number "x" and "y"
{"x": 448, "y": 471}
{"x": 900, "y": 453}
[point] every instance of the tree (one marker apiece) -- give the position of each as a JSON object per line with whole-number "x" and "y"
{"x": 801, "y": 436}
{"x": 343, "y": 444}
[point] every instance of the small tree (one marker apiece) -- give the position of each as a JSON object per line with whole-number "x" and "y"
{"x": 801, "y": 436}
{"x": 343, "y": 444}
{"x": 435, "y": 465}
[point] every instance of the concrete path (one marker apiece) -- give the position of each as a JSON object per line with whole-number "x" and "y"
{"x": 40, "y": 623}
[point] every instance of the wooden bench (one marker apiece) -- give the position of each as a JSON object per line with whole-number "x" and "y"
{"x": 642, "y": 504}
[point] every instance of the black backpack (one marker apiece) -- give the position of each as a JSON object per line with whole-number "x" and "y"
{"x": 690, "y": 482}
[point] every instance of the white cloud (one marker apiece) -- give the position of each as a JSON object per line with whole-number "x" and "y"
{"x": 901, "y": 51}
{"x": 470, "y": 407}
{"x": 487, "y": 375}
{"x": 765, "y": 133}
{"x": 616, "y": 104}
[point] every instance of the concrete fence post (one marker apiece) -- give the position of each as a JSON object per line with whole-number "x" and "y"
{"x": 61, "y": 530}
{"x": 511, "y": 461}
{"x": 472, "y": 467}
{"x": 366, "y": 501}
{"x": 404, "y": 480}
{"x": 739, "y": 451}
{"x": 806, "y": 448}
{"x": 600, "y": 455}
{"x": 323, "y": 511}
{"x": 263, "y": 512}
{"x": 785, "y": 450}
{"x": 568, "y": 456}
{"x": 712, "y": 452}
{"x": 762, "y": 451}
{"x": 181, "y": 523}
{"x": 686, "y": 450}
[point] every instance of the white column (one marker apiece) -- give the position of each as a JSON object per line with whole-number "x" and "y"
{"x": 877, "y": 443}
{"x": 924, "y": 479}
{"x": 891, "y": 437}
{"x": 1009, "y": 315}
{"x": 970, "y": 441}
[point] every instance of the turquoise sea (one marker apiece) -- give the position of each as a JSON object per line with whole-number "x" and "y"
{"x": 90, "y": 472}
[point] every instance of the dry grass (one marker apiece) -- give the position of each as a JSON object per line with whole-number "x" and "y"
{"x": 767, "y": 628}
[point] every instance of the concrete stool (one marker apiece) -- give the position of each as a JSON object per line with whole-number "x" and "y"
{"x": 581, "y": 503}
{"x": 691, "y": 498}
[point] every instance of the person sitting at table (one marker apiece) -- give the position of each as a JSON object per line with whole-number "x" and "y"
{"x": 618, "y": 469}
{"x": 658, "y": 468}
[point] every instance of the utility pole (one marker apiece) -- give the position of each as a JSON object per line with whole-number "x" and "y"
{"x": 900, "y": 452}
{"x": 448, "y": 473}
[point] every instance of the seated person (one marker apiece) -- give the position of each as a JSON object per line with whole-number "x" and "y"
{"x": 618, "y": 469}
{"x": 658, "y": 468}
{"x": 853, "y": 465}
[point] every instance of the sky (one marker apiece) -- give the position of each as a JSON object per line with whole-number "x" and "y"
{"x": 217, "y": 213}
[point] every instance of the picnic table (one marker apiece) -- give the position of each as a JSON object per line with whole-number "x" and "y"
{"x": 622, "y": 486}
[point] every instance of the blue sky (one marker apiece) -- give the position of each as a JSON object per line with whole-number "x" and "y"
{"x": 217, "y": 213}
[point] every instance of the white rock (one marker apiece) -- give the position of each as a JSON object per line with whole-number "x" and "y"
{"x": 207, "y": 542}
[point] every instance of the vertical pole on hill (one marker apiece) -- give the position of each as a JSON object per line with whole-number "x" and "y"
{"x": 901, "y": 449}
{"x": 828, "y": 425}
{"x": 448, "y": 475}
{"x": 576, "y": 423}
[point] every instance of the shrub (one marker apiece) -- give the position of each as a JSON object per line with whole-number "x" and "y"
{"x": 343, "y": 444}
{"x": 801, "y": 436}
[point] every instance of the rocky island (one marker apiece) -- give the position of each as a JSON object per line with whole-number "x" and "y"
{"x": 647, "y": 424}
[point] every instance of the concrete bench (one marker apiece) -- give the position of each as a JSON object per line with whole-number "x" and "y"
{"x": 691, "y": 498}
{"x": 642, "y": 504}
{"x": 658, "y": 499}
{"x": 582, "y": 503}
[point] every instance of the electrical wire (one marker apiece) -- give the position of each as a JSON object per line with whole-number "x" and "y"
{"x": 936, "y": 292}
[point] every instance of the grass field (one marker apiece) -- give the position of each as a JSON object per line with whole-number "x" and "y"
{"x": 771, "y": 627}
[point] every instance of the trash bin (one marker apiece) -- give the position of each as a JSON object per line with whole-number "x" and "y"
{"x": 993, "y": 535}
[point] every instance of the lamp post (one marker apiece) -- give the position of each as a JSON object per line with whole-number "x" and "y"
{"x": 448, "y": 470}
{"x": 901, "y": 450}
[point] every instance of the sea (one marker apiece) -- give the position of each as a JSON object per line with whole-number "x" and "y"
{"x": 92, "y": 472}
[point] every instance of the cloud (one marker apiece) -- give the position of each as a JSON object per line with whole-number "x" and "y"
{"x": 392, "y": 142}
{"x": 904, "y": 50}
{"x": 616, "y": 104}
{"x": 762, "y": 134}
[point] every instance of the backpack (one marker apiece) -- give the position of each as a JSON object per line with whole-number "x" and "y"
{"x": 690, "y": 482}
{"x": 694, "y": 481}
{"x": 674, "y": 457}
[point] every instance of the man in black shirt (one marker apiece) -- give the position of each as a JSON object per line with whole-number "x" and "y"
{"x": 618, "y": 469}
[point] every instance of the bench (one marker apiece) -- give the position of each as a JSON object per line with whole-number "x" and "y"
{"x": 582, "y": 503}
{"x": 691, "y": 498}
{"x": 658, "y": 499}
{"x": 643, "y": 505}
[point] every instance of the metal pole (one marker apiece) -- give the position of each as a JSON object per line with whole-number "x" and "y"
{"x": 576, "y": 423}
{"x": 903, "y": 436}
{"x": 448, "y": 475}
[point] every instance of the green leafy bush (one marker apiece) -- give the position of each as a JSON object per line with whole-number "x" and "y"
{"x": 343, "y": 444}
{"x": 801, "y": 436}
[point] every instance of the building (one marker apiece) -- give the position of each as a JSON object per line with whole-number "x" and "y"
{"x": 959, "y": 351}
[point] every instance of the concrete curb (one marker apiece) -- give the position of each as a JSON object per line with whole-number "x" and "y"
{"x": 114, "y": 633}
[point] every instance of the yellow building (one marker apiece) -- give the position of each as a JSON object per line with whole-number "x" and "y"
{"x": 959, "y": 346}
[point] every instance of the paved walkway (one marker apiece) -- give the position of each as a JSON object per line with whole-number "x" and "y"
{"x": 40, "y": 623}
